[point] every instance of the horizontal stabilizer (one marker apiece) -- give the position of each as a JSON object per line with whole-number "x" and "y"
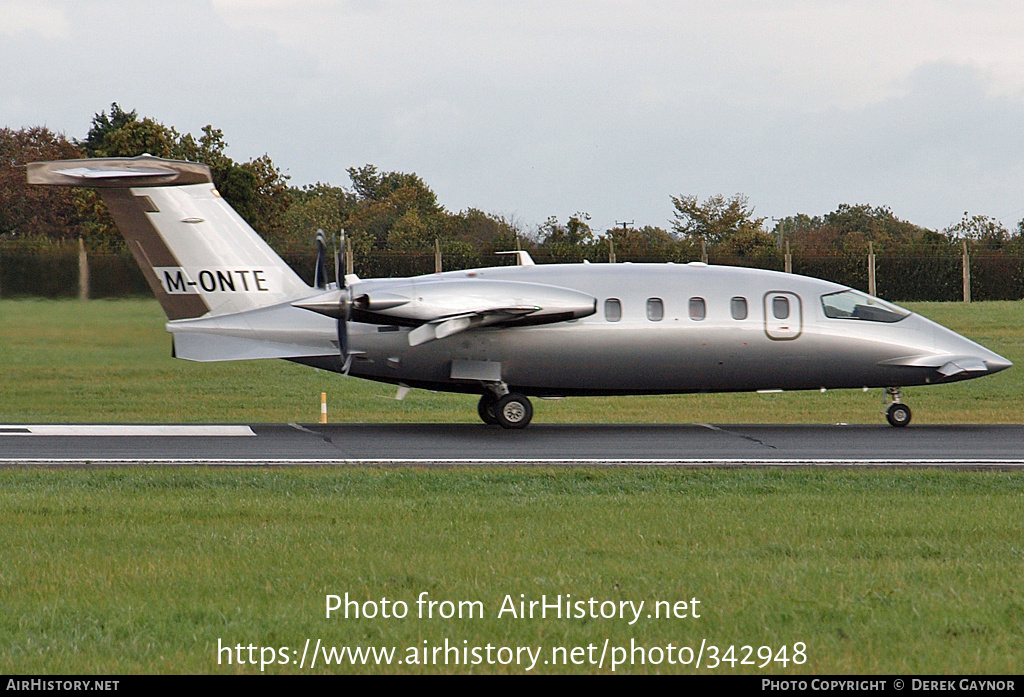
{"x": 281, "y": 331}
{"x": 118, "y": 172}
{"x": 214, "y": 347}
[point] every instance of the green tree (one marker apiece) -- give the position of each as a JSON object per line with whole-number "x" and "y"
{"x": 985, "y": 233}
{"x": 257, "y": 189}
{"x": 574, "y": 241}
{"x": 848, "y": 229}
{"x": 102, "y": 126}
{"x": 394, "y": 210}
{"x": 749, "y": 245}
{"x": 483, "y": 232}
{"x": 647, "y": 243}
{"x": 370, "y": 184}
{"x": 39, "y": 213}
{"x": 714, "y": 220}
{"x": 316, "y": 207}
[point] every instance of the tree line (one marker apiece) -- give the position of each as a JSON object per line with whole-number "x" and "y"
{"x": 390, "y": 216}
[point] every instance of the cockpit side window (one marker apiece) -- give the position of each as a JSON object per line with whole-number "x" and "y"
{"x": 851, "y": 304}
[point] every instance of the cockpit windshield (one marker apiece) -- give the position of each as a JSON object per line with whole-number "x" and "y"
{"x": 850, "y": 304}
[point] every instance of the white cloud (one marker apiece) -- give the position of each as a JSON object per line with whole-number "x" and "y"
{"x": 820, "y": 54}
{"x": 24, "y": 17}
{"x": 542, "y": 108}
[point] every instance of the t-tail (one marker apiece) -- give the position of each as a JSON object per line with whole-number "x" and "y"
{"x": 198, "y": 255}
{"x": 227, "y": 294}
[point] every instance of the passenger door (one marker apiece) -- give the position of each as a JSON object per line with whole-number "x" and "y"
{"x": 783, "y": 315}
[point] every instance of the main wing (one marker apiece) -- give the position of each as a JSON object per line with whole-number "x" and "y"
{"x": 444, "y": 307}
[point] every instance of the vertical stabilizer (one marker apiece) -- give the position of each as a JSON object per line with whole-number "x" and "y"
{"x": 198, "y": 255}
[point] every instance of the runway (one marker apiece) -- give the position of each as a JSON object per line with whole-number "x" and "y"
{"x": 693, "y": 445}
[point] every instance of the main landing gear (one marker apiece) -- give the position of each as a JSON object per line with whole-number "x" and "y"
{"x": 898, "y": 413}
{"x": 508, "y": 410}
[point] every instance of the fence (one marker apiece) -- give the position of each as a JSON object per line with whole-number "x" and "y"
{"x": 55, "y": 273}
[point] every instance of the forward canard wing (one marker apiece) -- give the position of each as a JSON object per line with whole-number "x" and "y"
{"x": 444, "y": 307}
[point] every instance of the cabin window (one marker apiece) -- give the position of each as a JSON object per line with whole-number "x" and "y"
{"x": 739, "y": 308}
{"x": 655, "y": 309}
{"x": 780, "y": 307}
{"x": 613, "y": 309}
{"x": 698, "y": 309}
{"x": 849, "y": 304}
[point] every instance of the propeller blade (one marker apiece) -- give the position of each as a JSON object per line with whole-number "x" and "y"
{"x": 320, "y": 270}
{"x": 344, "y": 307}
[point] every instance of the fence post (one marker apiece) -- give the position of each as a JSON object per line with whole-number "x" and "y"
{"x": 349, "y": 261}
{"x": 83, "y": 271}
{"x": 611, "y": 250}
{"x": 872, "y": 288}
{"x": 703, "y": 250}
{"x": 967, "y": 273}
{"x": 437, "y": 255}
{"x": 789, "y": 259}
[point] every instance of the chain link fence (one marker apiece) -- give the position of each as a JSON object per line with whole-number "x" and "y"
{"x": 54, "y": 273}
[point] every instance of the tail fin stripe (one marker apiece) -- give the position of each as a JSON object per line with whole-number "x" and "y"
{"x": 150, "y": 250}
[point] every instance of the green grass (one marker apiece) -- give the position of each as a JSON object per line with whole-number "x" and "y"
{"x": 138, "y": 570}
{"x": 876, "y": 572}
{"x": 109, "y": 361}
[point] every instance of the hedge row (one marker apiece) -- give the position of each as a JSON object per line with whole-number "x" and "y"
{"x": 993, "y": 277}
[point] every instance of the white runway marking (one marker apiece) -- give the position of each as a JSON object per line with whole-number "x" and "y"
{"x": 122, "y": 430}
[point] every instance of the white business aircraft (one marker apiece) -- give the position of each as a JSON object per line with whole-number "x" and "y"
{"x": 509, "y": 332}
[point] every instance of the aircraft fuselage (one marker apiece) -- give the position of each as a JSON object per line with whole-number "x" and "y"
{"x": 669, "y": 328}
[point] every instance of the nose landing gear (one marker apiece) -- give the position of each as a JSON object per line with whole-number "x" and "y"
{"x": 898, "y": 413}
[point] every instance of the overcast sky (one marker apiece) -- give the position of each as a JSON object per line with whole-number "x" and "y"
{"x": 539, "y": 108}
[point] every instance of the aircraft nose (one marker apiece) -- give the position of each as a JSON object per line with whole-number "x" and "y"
{"x": 997, "y": 363}
{"x": 968, "y": 355}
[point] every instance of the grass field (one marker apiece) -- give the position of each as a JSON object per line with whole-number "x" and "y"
{"x": 144, "y": 571}
{"x": 109, "y": 361}
{"x": 875, "y": 572}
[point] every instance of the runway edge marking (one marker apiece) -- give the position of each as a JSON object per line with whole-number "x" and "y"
{"x": 124, "y": 430}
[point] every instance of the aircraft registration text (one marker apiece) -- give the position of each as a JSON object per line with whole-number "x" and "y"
{"x": 177, "y": 280}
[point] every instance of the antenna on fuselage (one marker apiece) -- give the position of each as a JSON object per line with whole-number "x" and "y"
{"x": 523, "y": 257}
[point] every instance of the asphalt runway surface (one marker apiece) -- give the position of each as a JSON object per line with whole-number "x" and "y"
{"x": 726, "y": 445}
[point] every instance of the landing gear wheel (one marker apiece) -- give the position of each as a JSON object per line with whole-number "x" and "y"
{"x": 898, "y": 415}
{"x": 513, "y": 411}
{"x": 485, "y": 408}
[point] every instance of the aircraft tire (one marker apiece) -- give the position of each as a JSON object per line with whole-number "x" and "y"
{"x": 898, "y": 415}
{"x": 485, "y": 408}
{"x": 513, "y": 411}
